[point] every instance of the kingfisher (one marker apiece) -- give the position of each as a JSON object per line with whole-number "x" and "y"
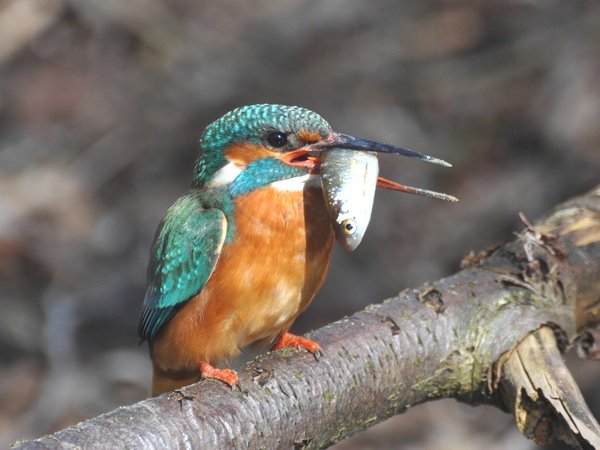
{"x": 238, "y": 257}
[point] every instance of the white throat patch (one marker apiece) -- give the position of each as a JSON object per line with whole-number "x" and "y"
{"x": 225, "y": 175}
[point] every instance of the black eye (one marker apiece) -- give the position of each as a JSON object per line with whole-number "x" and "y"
{"x": 349, "y": 226}
{"x": 277, "y": 139}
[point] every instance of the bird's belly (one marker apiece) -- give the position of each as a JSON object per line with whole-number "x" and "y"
{"x": 279, "y": 260}
{"x": 268, "y": 311}
{"x": 264, "y": 278}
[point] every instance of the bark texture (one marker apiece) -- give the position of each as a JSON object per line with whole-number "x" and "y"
{"x": 451, "y": 338}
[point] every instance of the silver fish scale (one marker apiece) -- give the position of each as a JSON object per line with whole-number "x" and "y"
{"x": 349, "y": 180}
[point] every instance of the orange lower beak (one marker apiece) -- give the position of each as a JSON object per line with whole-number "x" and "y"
{"x": 389, "y": 184}
{"x": 302, "y": 158}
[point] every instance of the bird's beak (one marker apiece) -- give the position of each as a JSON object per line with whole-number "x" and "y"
{"x": 389, "y": 184}
{"x": 340, "y": 140}
{"x": 304, "y": 157}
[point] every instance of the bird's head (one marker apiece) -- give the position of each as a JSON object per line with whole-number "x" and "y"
{"x": 256, "y": 145}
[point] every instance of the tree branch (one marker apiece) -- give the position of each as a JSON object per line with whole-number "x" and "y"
{"x": 544, "y": 397}
{"x": 444, "y": 339}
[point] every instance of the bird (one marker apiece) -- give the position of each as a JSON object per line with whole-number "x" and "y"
{"x": 241, "y": 255}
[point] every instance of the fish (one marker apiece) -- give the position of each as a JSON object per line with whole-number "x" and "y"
{"x": 349, "y": 180}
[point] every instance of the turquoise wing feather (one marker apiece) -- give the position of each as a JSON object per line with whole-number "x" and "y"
{"x": 183, "y": 256}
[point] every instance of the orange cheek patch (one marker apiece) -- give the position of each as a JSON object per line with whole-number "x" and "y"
{"x": 243, "y": 154}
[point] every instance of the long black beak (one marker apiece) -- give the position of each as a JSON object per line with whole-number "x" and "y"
{"x": 340, "y": 140}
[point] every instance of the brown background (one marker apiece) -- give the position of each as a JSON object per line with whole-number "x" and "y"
{"x": 102, "y": 103}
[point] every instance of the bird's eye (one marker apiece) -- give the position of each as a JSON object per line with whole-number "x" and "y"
{"x": 277, "y": 139}
{"x": 349, "y": 226}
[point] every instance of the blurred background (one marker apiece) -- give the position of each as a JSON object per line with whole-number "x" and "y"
{"x": 102, "y": 103}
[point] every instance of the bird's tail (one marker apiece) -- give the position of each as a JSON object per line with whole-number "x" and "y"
{"x": 165, "y": 380}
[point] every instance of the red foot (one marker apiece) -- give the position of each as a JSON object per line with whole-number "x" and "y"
{"x": 291, "y": 340}
{"x": 227, "y": 376}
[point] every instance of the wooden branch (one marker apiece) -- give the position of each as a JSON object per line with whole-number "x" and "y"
{"x": 440, "y": 340}
{"x": 543, "y": 395}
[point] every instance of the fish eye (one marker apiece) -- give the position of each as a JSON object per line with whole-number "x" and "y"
{"x": 349, "y": 226}
{"x": 277, "y": 139}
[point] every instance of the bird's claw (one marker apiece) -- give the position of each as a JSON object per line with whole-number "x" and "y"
{"x": 318, "y": 354}
{"x": 227, "y": 376}
{"x": 289, "y": 340}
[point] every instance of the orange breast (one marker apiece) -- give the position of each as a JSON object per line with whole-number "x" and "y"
{"x": 263, "y": 280}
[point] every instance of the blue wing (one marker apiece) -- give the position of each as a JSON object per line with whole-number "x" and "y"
{"x": 183, "y": 256}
